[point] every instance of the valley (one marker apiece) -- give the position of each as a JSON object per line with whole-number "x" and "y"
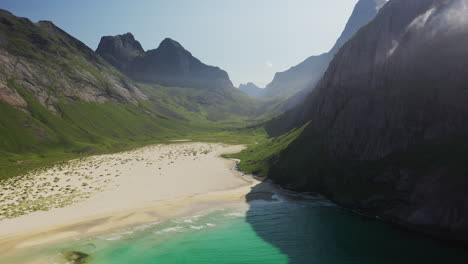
{"x": 370, "y": 134}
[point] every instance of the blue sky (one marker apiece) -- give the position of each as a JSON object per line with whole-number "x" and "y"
{"x": 250, "y": 39}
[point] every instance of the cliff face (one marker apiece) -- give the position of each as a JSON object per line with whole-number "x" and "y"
{"x": 304, "y": 76}
{"x": 408, "y": 85}
{"x": 170, "y": 64}
{"x": 51, "y": 65}
{"x": 389, "y": 121}
{"x": 120, "y": 50}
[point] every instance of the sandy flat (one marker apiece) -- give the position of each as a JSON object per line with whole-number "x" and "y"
{"x": 107, "y": 191}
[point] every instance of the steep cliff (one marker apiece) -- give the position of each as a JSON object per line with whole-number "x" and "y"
{"x": 170, "y": 64}
{"x": 120, "y": 50}
{"x": 304, "y": 76}
{"x": 388, "y": 122}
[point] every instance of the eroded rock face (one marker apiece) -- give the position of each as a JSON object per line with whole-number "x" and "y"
{"x": 120, "y": 50}
{"x": 42, "y": 61}
{"x": 409, "y": 85}
{"x": 389, "y": 120}
{"x": 170, "y": 64}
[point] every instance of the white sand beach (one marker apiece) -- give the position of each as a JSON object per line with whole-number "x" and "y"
{"x": 102, "y": 192}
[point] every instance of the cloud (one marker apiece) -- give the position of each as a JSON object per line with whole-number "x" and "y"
{"x": 269, "y": 64}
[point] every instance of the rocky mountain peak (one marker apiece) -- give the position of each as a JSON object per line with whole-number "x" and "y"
{"x": 120, "y": 50}
{"x": 126, "y": 40}
{"x": 46, "y": 23}
{"x": 169, "y": 43}
{"x": 4, "y": 13}
{"x": 169, "y": 64}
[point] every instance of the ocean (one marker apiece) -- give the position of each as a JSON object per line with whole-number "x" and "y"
{"x": 264, "y": 232}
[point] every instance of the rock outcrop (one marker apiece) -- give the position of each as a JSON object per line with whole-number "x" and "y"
{"x": 170, "y": 64}
{"x": 120, "y": 50}
{"x": 390, "y": 121}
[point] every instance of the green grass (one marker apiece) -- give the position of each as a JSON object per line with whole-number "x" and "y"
{"x": 30, "y": 141}
{"x": 259, "y": 158}
{"x": 225, "y": 106}
{"x": 36, "y": 136}
{"x": 24, "y": 48}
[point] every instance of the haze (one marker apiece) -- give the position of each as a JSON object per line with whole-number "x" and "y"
{"x": 251, "y": 40}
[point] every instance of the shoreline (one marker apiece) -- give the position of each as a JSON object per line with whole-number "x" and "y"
{"x": 217, "y": 196}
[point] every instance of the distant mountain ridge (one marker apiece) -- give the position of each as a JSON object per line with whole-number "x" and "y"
{"x": 170, "y": 64}
{"x": 305, "y": 76}
{"x": 251, "y": 90}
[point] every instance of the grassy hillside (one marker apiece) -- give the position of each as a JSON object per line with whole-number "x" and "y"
{"x": 259, "y": 158}
{"x": 35, "y": 136}
{"x": 201, "y": 105}
{"x": 30, "y": 141}
{"x": 60, "y": 100}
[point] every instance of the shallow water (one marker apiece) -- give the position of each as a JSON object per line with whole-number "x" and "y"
{"x": 265, "y": 232}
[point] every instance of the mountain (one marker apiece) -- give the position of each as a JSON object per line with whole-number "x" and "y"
{"x": 178, "y": 85}
{"x": 57, "y": 95}
{"x": 120, "y": 50}
{"x": 388, "y": 136}
{"x": 60, "y": 99}
{"x": 170, "y": 64}
{"x": 306, "y": 75}
{"x": 43, "y": 59}
{"x": 251, "y": 90}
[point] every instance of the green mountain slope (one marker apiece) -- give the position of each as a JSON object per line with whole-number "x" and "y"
{"x": 59, "y": 100}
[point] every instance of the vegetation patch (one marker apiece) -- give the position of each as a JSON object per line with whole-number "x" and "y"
{"x": 258, "y": 158}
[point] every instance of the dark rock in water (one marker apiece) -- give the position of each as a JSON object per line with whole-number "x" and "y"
{"x": 170, "y": 64}
{"x": 263, "y": 191}
{"x": 76, "y": 257}
{"x": 390, "y": 121}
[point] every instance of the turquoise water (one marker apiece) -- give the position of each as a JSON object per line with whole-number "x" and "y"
{"x": 265, "y": 232}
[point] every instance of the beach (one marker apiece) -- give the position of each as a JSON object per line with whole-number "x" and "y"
{"x": 104, "y": 192}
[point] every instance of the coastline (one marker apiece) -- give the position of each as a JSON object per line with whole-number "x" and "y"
{"x": 30, "y": 230}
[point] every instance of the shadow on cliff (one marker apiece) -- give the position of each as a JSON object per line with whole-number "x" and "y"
{"x": 316, "y": 231}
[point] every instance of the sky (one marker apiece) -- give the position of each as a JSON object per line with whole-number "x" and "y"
{"x": 250, "y": 39}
